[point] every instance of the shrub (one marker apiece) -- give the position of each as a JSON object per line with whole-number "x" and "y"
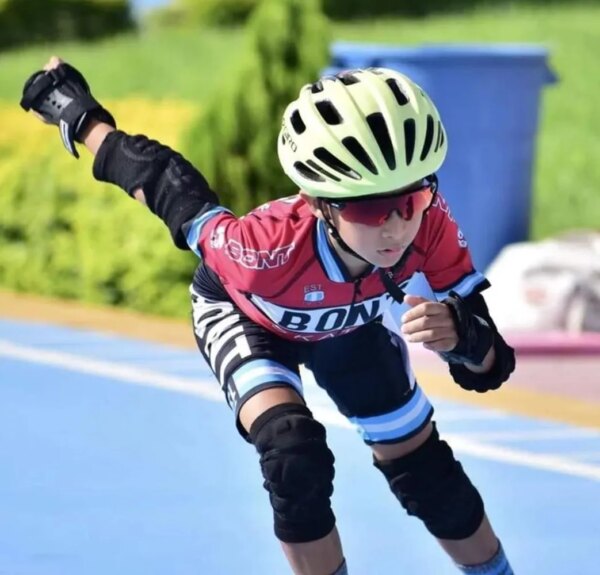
{"x": 63, "y": 234}
{"x": 235, "y": 142}
{"x": 219, "y": 12}
{"x": 25, "y": 22}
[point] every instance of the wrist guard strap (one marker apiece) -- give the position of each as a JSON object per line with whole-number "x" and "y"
{"x": 63, "y": 98}
{"x": 504, "y": 363}
{"x": 475, "y": 336}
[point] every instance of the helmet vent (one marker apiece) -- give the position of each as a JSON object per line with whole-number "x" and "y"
{"x": 439, "y": 136}
{"x": 382, "y": 137}
{"x": 317, "y": 87}
{"x": 442, "y": 138}
{"x": 356, "y": 149}
{"x": 318, "y": 168}
{"x": 409, "y": 139}
{"x": 297, "y": 123}
{"x": 428, "y": 137}
{"x": 335, "y": 163}
{"x": 306, "y": 172}
{"x": 348, "y": 78}
{"x": 329, "y": 112}
{"x": 400, "y": 96}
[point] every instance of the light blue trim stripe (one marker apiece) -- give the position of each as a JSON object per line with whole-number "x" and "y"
{"x": 497, "y": 565}
{"x": 396, "y": 424}
{"x": 260, "y": 371}
{"x": 331, "y": 266}
{"x": 465, "y": 287}
{"x": 195, "y": 230}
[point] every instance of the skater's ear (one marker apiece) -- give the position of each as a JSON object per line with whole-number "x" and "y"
{"x": 315, "y": 205}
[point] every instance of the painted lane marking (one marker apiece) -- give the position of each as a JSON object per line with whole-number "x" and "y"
{"x": 206, "y": 390}
{"x": 116, "y": 371}
{"x": 465, "y": 444}
{"x": 539, "y": 434}
{"x": 530, "y": 459}
{"x": 586, "y": 455}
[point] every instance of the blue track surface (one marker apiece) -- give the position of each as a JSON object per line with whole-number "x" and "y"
{"x": 118, "y": 458}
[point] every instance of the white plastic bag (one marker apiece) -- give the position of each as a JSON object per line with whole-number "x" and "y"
{"x": 550, "y": 285}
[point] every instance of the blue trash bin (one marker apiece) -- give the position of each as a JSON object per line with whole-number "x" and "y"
{"x": 488, "y": 97}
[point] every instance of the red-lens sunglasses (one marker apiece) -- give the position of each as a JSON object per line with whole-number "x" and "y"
{"x": 374, "y": 211}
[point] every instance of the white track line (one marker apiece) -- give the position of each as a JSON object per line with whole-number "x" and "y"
{"x": 116, "y": 371}
{"x": 207, "y": 390}
{"x": 539, "y": 434}
{"x": 546, "y": 462}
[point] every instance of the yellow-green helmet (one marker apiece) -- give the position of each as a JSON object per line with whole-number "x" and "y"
{"x": 360, "y": 133}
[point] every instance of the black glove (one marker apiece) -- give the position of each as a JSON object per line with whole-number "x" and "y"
{"x": 475, "y": 336}
{"x": 63, "y": 98}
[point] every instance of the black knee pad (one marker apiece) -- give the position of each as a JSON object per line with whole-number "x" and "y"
{"x": 431, "y": 485}
{"x": 298, "y": 470}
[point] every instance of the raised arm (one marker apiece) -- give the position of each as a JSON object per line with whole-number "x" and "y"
{"x": 153, "y": 173}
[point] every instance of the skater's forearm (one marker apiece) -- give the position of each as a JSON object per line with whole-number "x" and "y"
{"x": 93, "y": 138}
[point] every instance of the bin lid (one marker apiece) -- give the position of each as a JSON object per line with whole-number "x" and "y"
{"x": 446, "y": 51}
{"x": 506, "y": 55}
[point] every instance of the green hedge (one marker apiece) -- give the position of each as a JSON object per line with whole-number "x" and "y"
{"x": 235, "y": 141}
{"x": 63, "y": 234}
{"x": 353, "y": 9}
{"x": 224, "y": 12}
{"x": 30, "y": 21}
{"x": 216, "y": 11}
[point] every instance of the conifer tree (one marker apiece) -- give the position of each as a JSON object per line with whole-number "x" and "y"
{"x": 234, "y": 142}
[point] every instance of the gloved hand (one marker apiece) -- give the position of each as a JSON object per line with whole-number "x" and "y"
{"x": 475, "y": 336}
{"x": 61, "y": 96}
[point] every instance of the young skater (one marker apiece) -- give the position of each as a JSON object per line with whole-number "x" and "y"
{"x": 317, "y": 279}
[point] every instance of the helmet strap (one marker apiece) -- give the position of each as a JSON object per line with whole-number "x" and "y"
{"x": 336, "y": 235}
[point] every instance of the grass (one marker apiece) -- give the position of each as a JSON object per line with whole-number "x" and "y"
{"x": 191, "y": 64}
{"x": 169, "y": 64}
{"x": 567, "y": 171}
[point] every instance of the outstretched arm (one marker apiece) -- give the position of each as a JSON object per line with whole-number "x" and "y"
{"x": 152, "y": 173}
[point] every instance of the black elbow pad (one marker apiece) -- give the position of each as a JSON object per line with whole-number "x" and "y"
{"x": 175, "y": 191}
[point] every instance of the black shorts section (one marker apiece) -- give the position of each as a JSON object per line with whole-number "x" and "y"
{"x": 365, "y": 372}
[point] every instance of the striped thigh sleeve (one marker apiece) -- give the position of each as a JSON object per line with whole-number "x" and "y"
{"x": 244, "y": 357}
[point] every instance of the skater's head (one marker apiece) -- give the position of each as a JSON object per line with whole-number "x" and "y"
{"x": 363, "y": 146}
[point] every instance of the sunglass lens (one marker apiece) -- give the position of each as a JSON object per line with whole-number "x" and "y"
{"x": 375, "y": 212}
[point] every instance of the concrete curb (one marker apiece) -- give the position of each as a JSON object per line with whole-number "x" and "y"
{"x": 555, "y": 343}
